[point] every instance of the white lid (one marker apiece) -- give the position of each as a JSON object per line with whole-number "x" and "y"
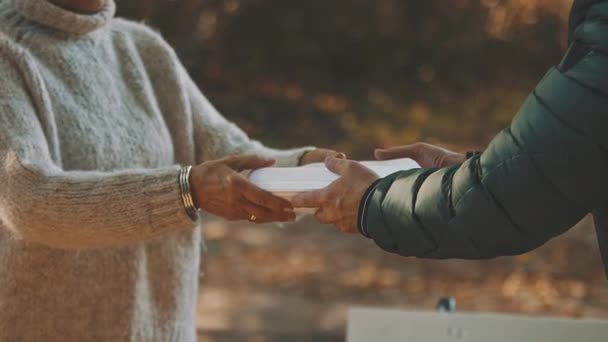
{"x": 291, "y": 180}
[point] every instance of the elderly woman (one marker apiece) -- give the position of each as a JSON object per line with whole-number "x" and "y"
{"x": 99, "y": 207}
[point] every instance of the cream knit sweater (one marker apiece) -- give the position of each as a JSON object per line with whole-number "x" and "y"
{"x": 96, "y": 116}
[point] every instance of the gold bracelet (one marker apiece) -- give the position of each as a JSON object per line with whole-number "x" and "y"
{"x": 184, "y": 187}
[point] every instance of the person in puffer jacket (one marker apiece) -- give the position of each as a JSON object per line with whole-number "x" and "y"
{"x": 536, "y": 179}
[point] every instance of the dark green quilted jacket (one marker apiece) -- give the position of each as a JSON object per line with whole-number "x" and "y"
{"x": 535, "y": 180}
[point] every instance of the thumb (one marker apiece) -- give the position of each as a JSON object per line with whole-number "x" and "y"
{"x": 248, "y": 162}
{"x": 338, "y": 155}
{"x": 408, "y": 151}
{"x": 338, "y": 166}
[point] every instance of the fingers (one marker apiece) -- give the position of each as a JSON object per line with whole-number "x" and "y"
{"x": 263, "y": 215}
{"x": 310, "y": 199}
{"x": 338, "y": 155}
{"x": 263, "y": 198}
{"x": 248, "y": 162}
{"x": 339, "y": 166}
{"x": 326, "y": 216}
{"x": 408, "y": 151}
{"x": 324, "y": 154}
{"x": 342, "y": 167}
{"x": 319, "y": 155}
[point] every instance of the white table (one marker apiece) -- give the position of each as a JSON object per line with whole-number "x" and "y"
{"x": 378, "y": 325}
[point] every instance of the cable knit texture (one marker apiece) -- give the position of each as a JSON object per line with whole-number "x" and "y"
{"x": 96, "y": 117}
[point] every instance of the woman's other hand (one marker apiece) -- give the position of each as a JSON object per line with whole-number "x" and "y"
{"x": 427, "y": 155}
{"x": 219, "y": 188}
{"x": 319, "y": 155}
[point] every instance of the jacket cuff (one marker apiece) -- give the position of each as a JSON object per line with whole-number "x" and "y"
{"x": 363, "y": 208}
{"x": 389, "y": 219}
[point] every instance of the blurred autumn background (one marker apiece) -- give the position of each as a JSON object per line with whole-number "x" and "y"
{"x": 353, "y": 75}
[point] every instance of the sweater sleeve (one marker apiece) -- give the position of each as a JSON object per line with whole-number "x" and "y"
{"x": 42, "y": 203}
{"x": 216, "y": 137}
{"x": 536, "y": 179}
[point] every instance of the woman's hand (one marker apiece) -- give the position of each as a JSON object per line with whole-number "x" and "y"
{"x": 428, "y": 156}
{"x": 219, "y": 188}
{"x": 319, "y": 155}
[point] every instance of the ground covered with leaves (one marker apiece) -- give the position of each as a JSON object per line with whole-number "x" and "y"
{"x": 298, "y": 283}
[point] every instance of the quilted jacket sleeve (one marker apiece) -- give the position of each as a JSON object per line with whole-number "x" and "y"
{"x": 536, "y": 179}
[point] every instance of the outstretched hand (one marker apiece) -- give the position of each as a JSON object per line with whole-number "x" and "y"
{"x": 426, "y": 155}
{"x": 219, "y": 188}
{"x": 338, "y": 204}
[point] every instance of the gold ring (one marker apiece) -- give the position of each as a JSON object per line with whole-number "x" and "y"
{"x": 253, "y": 218}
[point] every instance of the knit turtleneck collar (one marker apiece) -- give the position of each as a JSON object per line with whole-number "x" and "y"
{"x": 48, "y": 14}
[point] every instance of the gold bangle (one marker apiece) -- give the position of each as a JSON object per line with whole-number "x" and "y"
{"x": 186, "y": 194}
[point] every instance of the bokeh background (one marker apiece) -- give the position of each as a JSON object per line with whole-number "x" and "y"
{"x": 353, "y": 75}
